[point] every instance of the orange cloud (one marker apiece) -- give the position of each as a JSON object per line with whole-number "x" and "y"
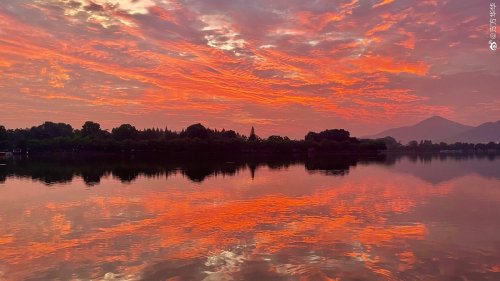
{"x": 383, "y": 3}
{"x": 166, "y": 58}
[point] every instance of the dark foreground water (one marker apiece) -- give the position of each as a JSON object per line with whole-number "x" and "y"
{"x": 389, "y": 218}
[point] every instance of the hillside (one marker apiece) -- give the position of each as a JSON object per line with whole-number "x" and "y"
{"x": 434, "y": 128}
{"x": 483, "y": 133}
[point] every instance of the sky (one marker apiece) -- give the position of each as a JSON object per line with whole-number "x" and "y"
{"x": 283, "y": 66}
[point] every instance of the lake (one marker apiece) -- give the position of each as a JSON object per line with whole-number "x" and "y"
{"x": 342, "y": 218}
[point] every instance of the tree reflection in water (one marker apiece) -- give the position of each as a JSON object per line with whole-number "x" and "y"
{"x": 63, "y": 169}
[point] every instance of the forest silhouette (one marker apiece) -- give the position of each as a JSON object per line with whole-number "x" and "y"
{"x": 50, "y": 137}
{"x": 196, "y": 138}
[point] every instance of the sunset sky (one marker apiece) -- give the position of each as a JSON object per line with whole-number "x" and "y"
{"x": 283, "y": 66}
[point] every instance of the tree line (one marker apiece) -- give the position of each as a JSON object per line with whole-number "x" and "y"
{"x": 50, "y": 136}
{"x": 424, "y": 146}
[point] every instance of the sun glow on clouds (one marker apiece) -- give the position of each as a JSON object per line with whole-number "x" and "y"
{"x": 221, "y": 36}
{"x": 349, "y": 64}
{"x": 128, "y": 6}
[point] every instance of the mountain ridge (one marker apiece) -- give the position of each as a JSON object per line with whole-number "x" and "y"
{"x": 439, "y": 129}
{"x": 486, "y": 132}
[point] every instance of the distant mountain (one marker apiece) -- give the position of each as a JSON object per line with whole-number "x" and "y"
{"x": 481, "y": 134}
{"x": 435, "y": 129}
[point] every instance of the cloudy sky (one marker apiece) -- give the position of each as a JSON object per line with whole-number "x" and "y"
{"x": 283, "y": 66}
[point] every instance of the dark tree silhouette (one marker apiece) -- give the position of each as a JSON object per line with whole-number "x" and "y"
{"x": 151, "y": 134}
{"x": 3, "y": 138}
{"x": 229, "y": 134}
{"x": 252, "y": 136}
{"x": 91, "y": 129}
{"x": 51, "y": 130}
{"x": 3, "y": 133}
{"x": 125, "y": 132}
{"x": 196, "y": 131}
{"x": 391, "y": 143}
{"x": 275, "y": 138}
{"x": 194, "y": 139}
{"x": 328, "y": 135}
{"x": 413, "y": 144}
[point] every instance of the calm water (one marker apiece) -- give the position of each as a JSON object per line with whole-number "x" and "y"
{"x": 433, "y": 218}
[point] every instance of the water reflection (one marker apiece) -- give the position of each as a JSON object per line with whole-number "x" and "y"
{"x": 49, "y": 170}
{"x": 91, "y": 169}
{"x": 302, "y": 219}
{"x": 436, "y": 168}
